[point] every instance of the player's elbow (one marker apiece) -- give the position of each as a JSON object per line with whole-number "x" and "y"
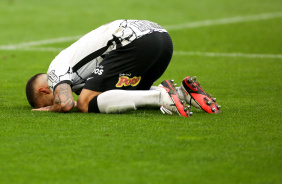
{"x": 66, "y": 108}
{"x": 63, "y": 107}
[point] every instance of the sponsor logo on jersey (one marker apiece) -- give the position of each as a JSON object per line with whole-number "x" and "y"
{"x": 98, "y": 70}
{"x": 126, "y": 81}
{"x": 125, "y": 74}
{"x": 53, "y": 77}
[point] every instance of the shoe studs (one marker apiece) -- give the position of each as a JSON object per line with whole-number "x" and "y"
{"x": 208, "y": 102}
{"x": 187, "y": 108}
{"x": 213, "y": 109}
{"x": 194, "y": 78}
{"x": 214, "y": 99}
{"x": 172, "y": 82}
{"x": 189, "y": 80}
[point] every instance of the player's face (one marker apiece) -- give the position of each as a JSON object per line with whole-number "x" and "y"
{"x": 45, "y": 100}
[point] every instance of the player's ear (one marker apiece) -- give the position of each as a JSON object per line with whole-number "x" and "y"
{"x": 44, "y": 90}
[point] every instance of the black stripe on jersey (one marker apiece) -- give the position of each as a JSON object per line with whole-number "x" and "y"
{"x": 89, "y": 58}
{"x": 96, "y": 54}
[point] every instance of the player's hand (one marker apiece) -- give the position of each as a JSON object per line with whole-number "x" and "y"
{"x": 47, "y": 108}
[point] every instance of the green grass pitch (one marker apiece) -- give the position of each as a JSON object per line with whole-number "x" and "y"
{"x": 233, "y": 47}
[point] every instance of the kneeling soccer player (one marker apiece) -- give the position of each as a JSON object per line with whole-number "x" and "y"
{"x": 112, "y": 69}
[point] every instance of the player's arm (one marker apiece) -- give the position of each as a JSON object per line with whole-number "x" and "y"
{"x": 63, "y": 99}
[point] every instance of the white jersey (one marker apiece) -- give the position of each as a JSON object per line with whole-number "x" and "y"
{"x": 76, "y": 63}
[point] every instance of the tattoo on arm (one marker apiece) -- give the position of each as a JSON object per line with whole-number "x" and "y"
{"x": 63, "y": 97}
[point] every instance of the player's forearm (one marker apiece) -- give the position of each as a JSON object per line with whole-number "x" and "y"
{"x": 63, "y": 101}
{"x": 62, "y": 104}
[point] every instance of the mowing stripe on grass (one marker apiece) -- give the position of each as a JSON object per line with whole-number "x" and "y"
{"x": 30, "y": 45}
{"x": 215, "y": 54}
{"x": 185, "y": 53}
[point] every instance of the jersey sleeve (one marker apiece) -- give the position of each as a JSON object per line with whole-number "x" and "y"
{"x": 58, "y": 73}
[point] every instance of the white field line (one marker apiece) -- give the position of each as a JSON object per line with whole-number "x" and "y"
{"x": 22, "y": 46}
{"x": 42, "y": 49}
{"x": 225, "y": 21}
{"x": 215, "y": 54}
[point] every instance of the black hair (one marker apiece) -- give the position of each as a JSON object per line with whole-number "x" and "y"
{"x": 30, "y": 91}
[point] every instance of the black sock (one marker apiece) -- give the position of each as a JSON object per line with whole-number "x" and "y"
{"x": 93, "y": 105}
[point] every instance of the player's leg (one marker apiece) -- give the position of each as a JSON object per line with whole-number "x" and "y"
{"x": 160, "y": 61}
{"x": 118, "y": 101}
{"x": 124, "y": 68}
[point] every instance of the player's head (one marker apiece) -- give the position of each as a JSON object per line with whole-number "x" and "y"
{"x": 37, "y": 91}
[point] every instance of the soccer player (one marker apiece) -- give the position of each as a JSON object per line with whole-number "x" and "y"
{"x": 112, "y": 69}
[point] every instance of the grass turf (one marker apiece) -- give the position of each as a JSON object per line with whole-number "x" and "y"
{"x": 241, "y": 145}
